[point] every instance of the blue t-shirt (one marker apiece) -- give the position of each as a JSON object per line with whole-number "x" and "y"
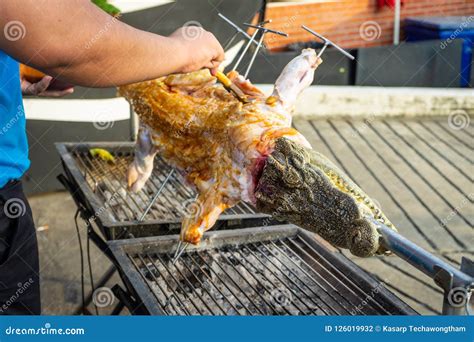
{"x": 13, "y": 143}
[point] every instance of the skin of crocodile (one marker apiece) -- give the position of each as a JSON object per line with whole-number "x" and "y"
{"x": 302, "y": 186}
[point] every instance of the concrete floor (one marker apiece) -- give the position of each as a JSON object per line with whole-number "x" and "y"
{"x": 415, "y": 193}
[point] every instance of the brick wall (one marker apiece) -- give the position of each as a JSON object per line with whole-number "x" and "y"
{"x": 353, "y": 23}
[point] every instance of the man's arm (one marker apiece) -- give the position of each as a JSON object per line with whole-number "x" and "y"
{"x": 76, "y": 41}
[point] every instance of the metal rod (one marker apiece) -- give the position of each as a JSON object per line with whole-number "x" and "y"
{"x": 252, "y": 40}
{"x": 418, "y": 257}
{"x": 245, "y": 50}
{"x": 323, "y": 49}
{"x": 193, "y": 288}
{"x": 256, "y": 257}
{"x": 231, "y": 40}
{"x": 175, "y": 279}
{"x": 158, "y": 283}
{"x": 257, "y": 307}
{"x": 198, "y": 264}
{"x": 236, "y": 27}
{"x": 156, "y": 196}
{"x": 305, "y": 283}
{"x": 314, "y": 278}
{"x": 350, "y": 285}
{"x": 202, "y": 285}
{"x": 246, "y": 279}
{"x": 396, "y": 23}
{"x": 325, "y": 40}
{"x": 254, "y": 55}
{"x": 179, "y": 250}
{"x": 260, "y": 27}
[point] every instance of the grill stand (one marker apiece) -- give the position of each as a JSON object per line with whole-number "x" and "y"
{"x": 122, "y": 296}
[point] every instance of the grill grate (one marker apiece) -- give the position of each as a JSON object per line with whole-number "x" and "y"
{"x": 104, "y": 192}
{"x": 280, "y": 270}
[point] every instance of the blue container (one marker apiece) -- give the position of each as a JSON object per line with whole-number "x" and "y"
{"x": 446, "y": 29}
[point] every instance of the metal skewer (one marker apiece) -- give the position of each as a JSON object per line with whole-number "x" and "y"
{"x": 327, "y": 42}
{"x": 254, "y": 55}
{"x": 231, "y": 40}
{"x": 260, "y": 42}
{"x": 237, "y": 31}
{"x": 158, "y": 193}
{"x": 252, "y": 39}
{"x": 260, "y": 27}
{"x": 179, "y": 250}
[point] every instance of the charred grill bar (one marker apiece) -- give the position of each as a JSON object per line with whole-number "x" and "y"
{"x": 279, "y": 270}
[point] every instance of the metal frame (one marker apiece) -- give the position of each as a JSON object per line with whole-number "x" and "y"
{"x": 361, "y": 282}
{"x": 93, "y": 206}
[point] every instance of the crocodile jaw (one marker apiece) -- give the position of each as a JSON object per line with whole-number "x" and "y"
{"x": 303, "y": 187}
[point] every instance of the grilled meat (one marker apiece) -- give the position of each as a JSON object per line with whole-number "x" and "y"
{"x": 222, "y": 145}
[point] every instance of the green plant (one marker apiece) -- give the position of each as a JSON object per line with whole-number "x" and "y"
{"x": 104, "y": 4}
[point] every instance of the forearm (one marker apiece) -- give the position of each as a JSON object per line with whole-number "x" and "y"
{"x": 130, "y": 57}
{"x": 87, "y": 46}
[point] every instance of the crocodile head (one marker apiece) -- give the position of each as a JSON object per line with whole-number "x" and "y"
{"x": 303, "y": 187}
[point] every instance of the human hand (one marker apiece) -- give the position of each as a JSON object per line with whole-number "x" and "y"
{"x": 40, "y": 88}
{"x": 202, "y": 49}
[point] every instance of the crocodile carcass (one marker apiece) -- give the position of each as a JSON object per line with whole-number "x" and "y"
{"x": 231, "y": 151}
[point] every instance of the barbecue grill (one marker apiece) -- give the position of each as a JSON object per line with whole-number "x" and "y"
{"x": 239, "y": 271}
{"x": 279, "y": 270}
{"x": 100, "y": 188}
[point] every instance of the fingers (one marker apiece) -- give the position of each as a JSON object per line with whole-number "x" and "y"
{"x": 36, "y": 88}
{"x": 41, "y": 86}
{"x": 57, "y": 93}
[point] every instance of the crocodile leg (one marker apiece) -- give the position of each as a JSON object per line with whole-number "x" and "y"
{"x": 302, "y": 186}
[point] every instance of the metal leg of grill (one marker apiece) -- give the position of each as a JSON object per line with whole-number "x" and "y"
{"x": 105, "y": 278}
{"x": 125, "y": 300}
